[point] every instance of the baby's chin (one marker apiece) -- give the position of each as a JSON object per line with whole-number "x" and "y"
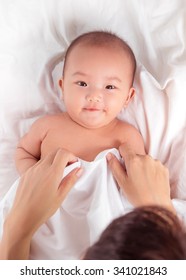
{"x": 92, "y": 125}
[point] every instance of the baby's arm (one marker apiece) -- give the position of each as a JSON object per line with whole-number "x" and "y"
{"x": 28, "y": 150}
{"x": 135, "y": 140}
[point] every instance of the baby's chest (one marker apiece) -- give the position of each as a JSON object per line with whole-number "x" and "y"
{"x": 84, "y": 145}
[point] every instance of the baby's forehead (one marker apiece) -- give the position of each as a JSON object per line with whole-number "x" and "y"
{"x": 87, "y": 48}
{"x": 112, "y": 47}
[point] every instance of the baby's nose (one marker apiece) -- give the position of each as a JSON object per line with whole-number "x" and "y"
{"x": 94, "y": 97}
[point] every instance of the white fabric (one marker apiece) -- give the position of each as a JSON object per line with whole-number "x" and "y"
{"x": 34, "y": 37}
{"x": 90, "y": 206}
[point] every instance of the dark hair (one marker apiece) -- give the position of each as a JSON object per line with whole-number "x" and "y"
{"x": 102, "y": 39}
{"x": 146, "y": 233}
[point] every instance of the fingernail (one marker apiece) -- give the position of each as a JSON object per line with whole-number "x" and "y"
{"x": 109, "y": 156}
{"x": 79, "y": 172}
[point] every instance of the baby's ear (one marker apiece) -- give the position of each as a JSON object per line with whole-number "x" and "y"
{"x": 131, "y": 94}
{"x": 61, "y": 83}
{"x": 61, "y": 86}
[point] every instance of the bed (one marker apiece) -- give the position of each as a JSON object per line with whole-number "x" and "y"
{"x": 34, "y": 37}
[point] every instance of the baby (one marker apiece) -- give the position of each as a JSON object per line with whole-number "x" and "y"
{"x": 97, "y": 83}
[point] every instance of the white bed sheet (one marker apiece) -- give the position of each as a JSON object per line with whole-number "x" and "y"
{"x": 34, "y": 36}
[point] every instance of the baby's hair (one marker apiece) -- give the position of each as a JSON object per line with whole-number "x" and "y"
{"x": 102, "y": 39}
{"x": 146, "y": 233}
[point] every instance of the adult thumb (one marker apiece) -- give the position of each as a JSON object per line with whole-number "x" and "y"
{"x": 117, "y": 170}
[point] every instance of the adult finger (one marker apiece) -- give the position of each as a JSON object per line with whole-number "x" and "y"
{"x": 62, "y": 158}
{"x": 117, "y": 170}
{"x": 47, "y": 160}
{"x": 127, "y": 152}
{"x": 68, "y": 182}
{"x": 130, "y": 158}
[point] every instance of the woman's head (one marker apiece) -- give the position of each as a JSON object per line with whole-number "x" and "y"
{"x": 151, "y": 233}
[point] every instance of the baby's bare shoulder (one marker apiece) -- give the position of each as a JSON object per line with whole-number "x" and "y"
{"x": 127, "y": 128}
{"x": 49, "y": 120}
{"x": 132, "y": 136}
{"x": 44, "y": 124}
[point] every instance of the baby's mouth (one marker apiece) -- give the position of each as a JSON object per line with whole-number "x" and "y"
{"x": 92, "y": 109}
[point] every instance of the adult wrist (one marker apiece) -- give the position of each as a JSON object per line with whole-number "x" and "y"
{"x": 14, "y": 244}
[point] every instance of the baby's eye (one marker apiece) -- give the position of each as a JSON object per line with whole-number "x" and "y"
{"x": 81, "y": 84}
{"x": 110, "y": 87}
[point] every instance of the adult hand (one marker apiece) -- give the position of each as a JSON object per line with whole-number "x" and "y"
{"x": 41, "y": 189}
{"x": 40, "y": 192}
{"x": 144, "y": 181}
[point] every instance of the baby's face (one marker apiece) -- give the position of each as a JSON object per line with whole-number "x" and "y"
{"x": 96, "y": 85}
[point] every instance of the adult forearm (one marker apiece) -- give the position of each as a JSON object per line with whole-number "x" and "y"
{"x": 18, "y": 250}
{"x": 13, "y": 245}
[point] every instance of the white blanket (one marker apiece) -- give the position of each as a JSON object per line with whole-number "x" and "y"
{"x": 90, "y": 206}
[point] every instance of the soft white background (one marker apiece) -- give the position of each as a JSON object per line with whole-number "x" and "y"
{"x": 33, "y": 37}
